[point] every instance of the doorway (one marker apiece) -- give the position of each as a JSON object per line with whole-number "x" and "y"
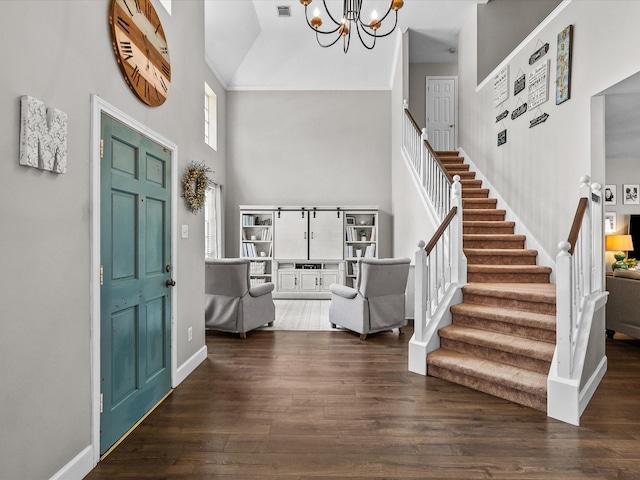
{"x": 442, "y": 112}
{"x": 133, "y": 247}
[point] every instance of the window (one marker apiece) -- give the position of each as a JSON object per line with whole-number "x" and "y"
{"x": 210, "y": 117}
{"x": 212, "y": 223}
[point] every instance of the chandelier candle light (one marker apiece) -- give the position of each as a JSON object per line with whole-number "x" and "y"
{"x": 351, "y": 11}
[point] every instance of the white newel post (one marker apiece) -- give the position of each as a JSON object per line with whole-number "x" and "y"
{"x": 597, "y": 218}
{"x": 417, "y": 346}
{"x": 459, "y": 260}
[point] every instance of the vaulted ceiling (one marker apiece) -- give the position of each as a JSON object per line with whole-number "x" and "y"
{"x": 250, "y": 47}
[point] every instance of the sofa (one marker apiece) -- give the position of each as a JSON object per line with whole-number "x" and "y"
{"x": 623, "y": 308}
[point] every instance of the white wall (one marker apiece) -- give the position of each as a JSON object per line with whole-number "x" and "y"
{"x": 61, "y": 54}
{"x": 537, "y": 171}
{"x": 310, "y": 149}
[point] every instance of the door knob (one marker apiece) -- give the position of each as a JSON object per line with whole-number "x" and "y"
{"x": 170, "y": 283}
{"x": 451, "y": 126}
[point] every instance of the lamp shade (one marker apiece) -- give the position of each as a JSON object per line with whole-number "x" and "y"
{"x": 618, "y": 243}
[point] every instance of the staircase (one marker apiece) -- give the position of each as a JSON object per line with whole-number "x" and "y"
{"x": 502, "y": 337}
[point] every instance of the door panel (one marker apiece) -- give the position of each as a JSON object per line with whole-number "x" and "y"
{"x": 135, "y": 303}
{"x": 441, "y": 121}
{"x": 326, "y": 232}
{"x": 290, "y": 235}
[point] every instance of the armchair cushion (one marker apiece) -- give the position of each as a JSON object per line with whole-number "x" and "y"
{"x": 343, "y": 291}
{"x": 262, "y": 289}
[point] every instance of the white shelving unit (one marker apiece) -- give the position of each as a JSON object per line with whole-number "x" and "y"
{"x": 360, "y": 240}
{"x": 256, "y": 243}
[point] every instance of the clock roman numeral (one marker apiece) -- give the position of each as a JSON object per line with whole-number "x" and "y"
{"x": 147, "y": 9}
{"x": 164, "y": 50}
{"x": 135, "y": 76}
{"x": 147, "y": 90}
{"x": 127, "y": 5}
{"x": 165, "y": 70}
{"x": 126, "y": 48}
{"x": 157, "y": 28}
{"x": 123, "y": 24}
{"x": 164, "y": 85}
{"x": 139, "y": 10}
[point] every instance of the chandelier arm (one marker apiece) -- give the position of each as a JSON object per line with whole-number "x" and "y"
{"x": 329, "y": 44}
{"x": 326, "y": 9}
{"x": 377, "y": 35}
{"x": 328, "y": 32}
{"x": 362, "y": 39}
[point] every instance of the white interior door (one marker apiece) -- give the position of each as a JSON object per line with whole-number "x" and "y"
{"x": 441, "y": 112}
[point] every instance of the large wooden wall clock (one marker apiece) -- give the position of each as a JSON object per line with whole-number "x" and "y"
{"x": 141, "y": 49}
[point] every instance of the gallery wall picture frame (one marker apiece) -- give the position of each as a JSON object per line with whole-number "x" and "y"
{"x": 630, "y": 194}
{"x": 610, "y": 194}
{"x": 563, "y": 65}
{"x": 351, "y": 220}
{"x": 610, "y": 222}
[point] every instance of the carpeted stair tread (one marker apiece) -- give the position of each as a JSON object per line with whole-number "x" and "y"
{"x": 488, "y": 226}
{"x": 534, "y": 292}
{"x": 492, "y": 241}
{"x": 475, "y": 193}
{"x": 507, "y": 375}
{"x": 456, "y": 167}
{"x": 480, "y": 268}
{"x": 470, "y": 183}
{"x": 447, "y": 153}
{"x": 479, "y": 203}
{"x": 501, "y": 256}
{"x": 526, "y": 347}
{"x": 505, "y": 315}
{"x": 500, "y": 252}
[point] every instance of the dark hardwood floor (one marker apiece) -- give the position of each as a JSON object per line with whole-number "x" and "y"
{"x": 314, "y": 405}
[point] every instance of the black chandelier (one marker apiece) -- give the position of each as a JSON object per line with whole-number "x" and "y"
{"x": 351, "y": 10}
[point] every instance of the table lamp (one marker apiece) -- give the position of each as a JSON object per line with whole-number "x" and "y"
{"x": 619, "y": 244}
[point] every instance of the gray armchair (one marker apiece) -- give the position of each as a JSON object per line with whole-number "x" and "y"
{"x": 377, "y": 302}
{"x": 231, "y": 304}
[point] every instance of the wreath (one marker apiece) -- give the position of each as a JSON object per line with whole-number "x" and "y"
{"x": 194, "y": 185}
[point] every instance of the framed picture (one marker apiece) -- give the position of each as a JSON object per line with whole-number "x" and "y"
{"x": 630, "y": 194}
{"x": 351, "y": 220}
{"x": 610, "y": 195}
{"x": 610, "y": 222}
{"x": 563, "y": 65}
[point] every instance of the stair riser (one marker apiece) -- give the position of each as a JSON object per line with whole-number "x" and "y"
{"x": 500, "y": 260}
{"x": 510, "y": 394}
{"x": 471, "y": 184}
{"x": 492, "y": 244}
{"x": 495, "y": 355}
{"x": 475, "y": 193}
{"x": 464, "y": 175}
{"x": 487, "y": 230}
{"x": 512, "y": 304}
{"x": 490, "y": 325}
{"x": 457, "y": 166}
{"x": 484, "y": 215}
{"x": 479, "y": 205}
{"x": 483, "y": 277}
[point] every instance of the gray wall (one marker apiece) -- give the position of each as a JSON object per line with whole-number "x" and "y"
{"x": 61, "y": 53}
{"x": 503, "y": 24}
{"x": 310, "y": 149}
{"x": 418, "y": 73}
{"x": 537, "y": 171}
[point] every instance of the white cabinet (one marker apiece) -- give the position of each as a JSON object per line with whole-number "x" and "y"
{"x": 256, "y": 243}
{"x": 360, "y": 240}
{"x": 325, "y": 231}
{"x": 291, "y": 234}
{"x": 307, "y": 279}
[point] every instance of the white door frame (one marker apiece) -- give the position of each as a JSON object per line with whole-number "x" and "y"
{"x": 455, "y": 94}
{"x": 98, "y": 107}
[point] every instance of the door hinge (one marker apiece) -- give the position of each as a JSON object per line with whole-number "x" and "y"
{"x": 101, "y": 148}
{"x": 101, "y": 275}
{"x": 101, "y": 402}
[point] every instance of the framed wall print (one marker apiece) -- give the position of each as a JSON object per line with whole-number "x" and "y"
{"x": 563, "y": 66}
{"x": 610, "y": 195}
{"x": 610, "y": 222}
{"x": 630, "y": 194}
{"x": 351, "y": 220}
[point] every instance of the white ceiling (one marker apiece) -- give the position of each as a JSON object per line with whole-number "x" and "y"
{"x": 250, "y": 47}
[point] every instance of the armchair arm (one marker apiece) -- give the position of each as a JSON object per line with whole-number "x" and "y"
{"x": 261, "y": 289}
{"x": 343, "y": 291}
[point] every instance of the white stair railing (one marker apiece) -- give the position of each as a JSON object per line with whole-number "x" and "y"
{"x": 432, "y": 176}
{"x": 580, "y": 301}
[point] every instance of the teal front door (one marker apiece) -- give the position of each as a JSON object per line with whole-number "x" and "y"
{"x": 135, "y": 299}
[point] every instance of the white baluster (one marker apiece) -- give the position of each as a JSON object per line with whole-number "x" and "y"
{"x": 563, "y": 309}
{"x": 421, "y": 292}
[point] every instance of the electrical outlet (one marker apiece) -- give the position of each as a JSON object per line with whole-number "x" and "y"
{"x": 190, "y": 334}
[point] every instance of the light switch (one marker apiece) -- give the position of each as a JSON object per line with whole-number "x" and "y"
{"x": 185, "y": 231}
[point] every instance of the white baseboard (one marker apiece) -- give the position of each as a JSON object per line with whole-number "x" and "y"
{"x": 184, "y": 370}
{"x": 78, "y": 468}
{"x": 592, "y": 384}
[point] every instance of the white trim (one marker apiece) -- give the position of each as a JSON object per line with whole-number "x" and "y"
{"x": 77, "y": 468}
{"x": 397, "y": 57}
{"x": 455, "y": 93}
{"x": 532, "y": 36}
{"x": 99, "y": 106}
{"x": 215, "y": 73}
{"x": 189, "y": 366}
{"x": 592, "y": 384}
{"x": 258, "y": 88}
{"x": 520, "y": 229}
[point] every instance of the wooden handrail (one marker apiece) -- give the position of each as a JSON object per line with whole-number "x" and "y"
{"x": 413, "y": 121}
{"x": 441, "y": 229}
{"x": 440, "y": 164}
{"x": 577, "y": 223}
